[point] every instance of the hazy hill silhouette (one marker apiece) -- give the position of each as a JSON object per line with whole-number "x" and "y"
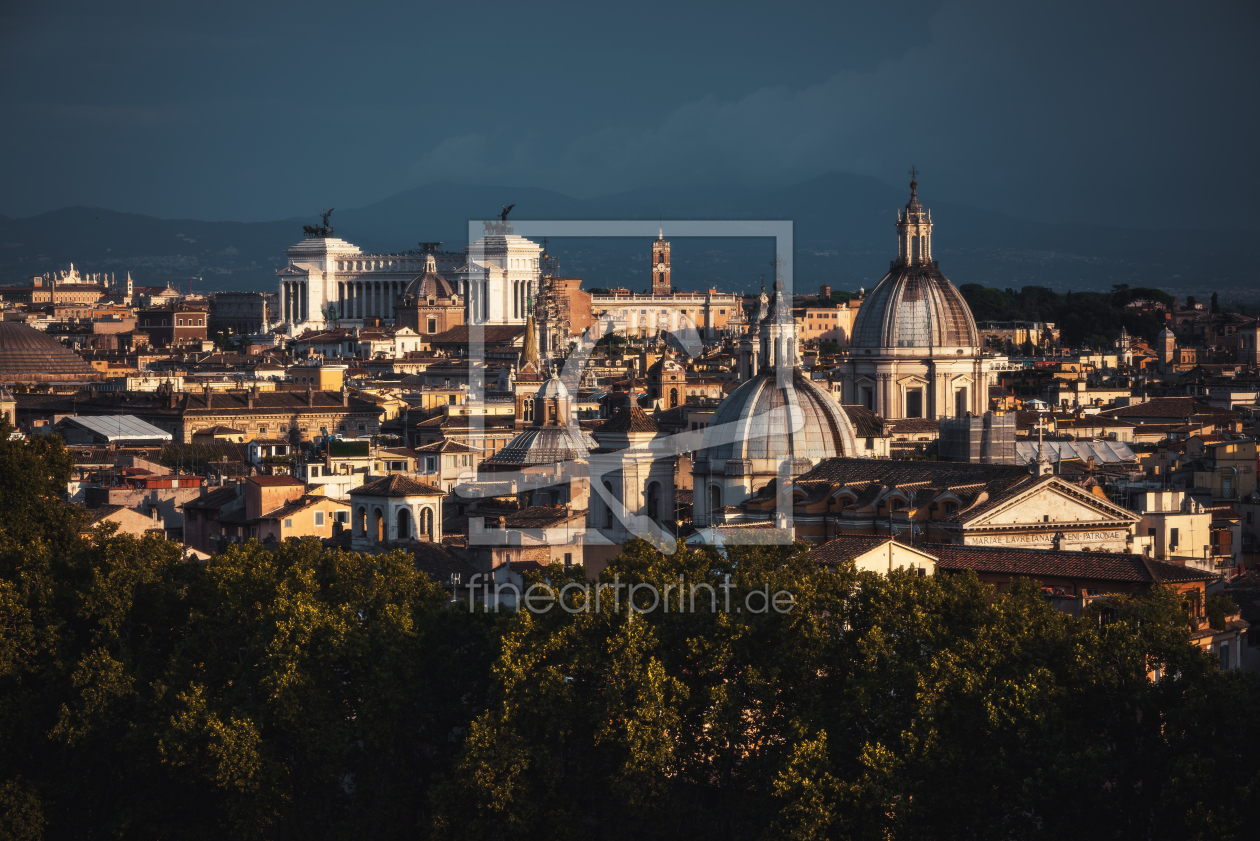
{"x": 843, "y": 229}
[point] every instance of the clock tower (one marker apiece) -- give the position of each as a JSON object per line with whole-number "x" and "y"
{"x": 660, "y": 266}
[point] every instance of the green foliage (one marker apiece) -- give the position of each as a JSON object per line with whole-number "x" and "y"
{"x": 301, "y": 693}
{"x": 1083, "y": 318}
{"x": 1217, "y": 608}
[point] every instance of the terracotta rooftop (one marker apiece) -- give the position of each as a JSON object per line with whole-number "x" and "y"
{"x": 629, "y": 419}
{"x": 1090, "y": 566}
{"x": 397, "y": 485}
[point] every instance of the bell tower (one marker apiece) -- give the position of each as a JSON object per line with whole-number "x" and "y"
{"x": 661, "y": 284}
{"x": 914, "y": 230}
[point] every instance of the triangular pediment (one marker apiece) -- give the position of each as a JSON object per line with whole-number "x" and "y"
{"x": 1056, "y": 500}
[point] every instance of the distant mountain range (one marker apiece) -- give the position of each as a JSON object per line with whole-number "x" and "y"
{"x": 843, "y": 230}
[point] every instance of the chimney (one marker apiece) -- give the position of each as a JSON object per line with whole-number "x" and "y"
{"x": 310, "y": 397}
{"x": 253, "y": 392}
{"x": 207, "y": 395}
{"x": 345, "y": 397}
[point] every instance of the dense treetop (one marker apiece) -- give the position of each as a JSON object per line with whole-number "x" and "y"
{"x": 300, "y": 693}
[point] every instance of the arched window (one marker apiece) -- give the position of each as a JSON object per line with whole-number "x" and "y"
{"x": 527, "y": 409}
{"x": 378, "y": 526}
{"x": 654, "y": 500}
{"x": 361, "y": 522}
{"x": 404, "y": 524}
{"x": 426, "y": 522}
{"x": 673, "y": 398}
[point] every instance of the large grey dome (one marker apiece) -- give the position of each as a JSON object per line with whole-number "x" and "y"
{"x": 764, "y": 420}
{"x": 915, "y": 306}
{"x": 28, "y": 355}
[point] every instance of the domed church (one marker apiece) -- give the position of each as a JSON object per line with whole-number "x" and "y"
{"x": 776, "y": 425}
{"x": 914, "y": 350}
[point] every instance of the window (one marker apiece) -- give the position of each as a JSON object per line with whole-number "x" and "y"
{"x": 341, "y": 516}
{"x": 870, "y": 443}
{"x": 262, "y": 430}
{"x": 914, "y": 403}
{"x": 430, "y": 464}
{"x": 319, "y": 518}
{"x": 568, "y": 559}
{"x": 288, "y": 522}
{"x": 432, "y": 325}
{"x": 1224, "y": 655}
{"x": 1173, "y": 538}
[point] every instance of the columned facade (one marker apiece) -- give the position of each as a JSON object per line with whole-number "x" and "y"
{"x": 328, "y": 278}
{"x": 501, "y": 277}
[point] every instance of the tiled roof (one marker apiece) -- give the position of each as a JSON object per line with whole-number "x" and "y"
{"x": 102, "y": 512}
{"x": 293, "y": 506}
{"x": 630, "y": 419}
{"x": 943, "y": 474}
{"x": 846, "y": 546}
{"x": 439, "y": 564}
{"x": 213, "y": 500}
{"x": 914, "y": 426}
{"x": 1168, "y": 407}
{"x": 492, "y": 334}
{"x": 866, "y": 424}
{"x": 397, "y": 485}
{"x": 406, "y": 452}
{"x": 1090, "y": 566}
{"x": 235, "y": 401}
{"x": 446, "y": 445}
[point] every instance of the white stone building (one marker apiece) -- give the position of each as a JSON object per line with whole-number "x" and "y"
{"x": 501, "y": 276}
{"x": 327, "y": 274}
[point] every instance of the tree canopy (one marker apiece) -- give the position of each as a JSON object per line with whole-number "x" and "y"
{"x": 297, "y": 692}
{"x": 1083, "y": 318}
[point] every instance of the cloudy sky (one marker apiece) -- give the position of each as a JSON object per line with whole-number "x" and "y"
{"x": 1140, "y": 114}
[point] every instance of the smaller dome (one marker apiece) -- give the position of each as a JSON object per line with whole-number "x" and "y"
{"x": 552, "y": 388}
{"x": 430, "y": 284}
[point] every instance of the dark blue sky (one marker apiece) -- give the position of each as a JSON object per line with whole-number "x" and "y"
{"x": 1140, "y": 114}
